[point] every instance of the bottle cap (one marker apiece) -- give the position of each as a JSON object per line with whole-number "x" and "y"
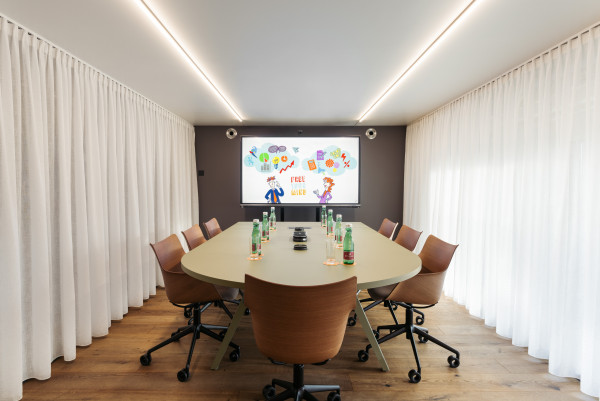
{"x": 348, "y": 225}
{"x": 264, "y": 213}
{"x": 338, "y": 216}
{"x": 255, "y": 221}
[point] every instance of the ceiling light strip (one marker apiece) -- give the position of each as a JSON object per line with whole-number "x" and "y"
{"x": 190, "y": 59}
{"x": 397, "y": 81}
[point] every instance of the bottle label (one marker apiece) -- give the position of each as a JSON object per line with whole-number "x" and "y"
{"x": 349, "y": 256}
{"x": 254, "y": 248}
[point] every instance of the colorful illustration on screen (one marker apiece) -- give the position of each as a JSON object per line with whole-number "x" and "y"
{"x": 275, "y": 192}
{"x": 327, "y": 186}
{"x": 271, "y": 159}
{"x": 330, "y": 161}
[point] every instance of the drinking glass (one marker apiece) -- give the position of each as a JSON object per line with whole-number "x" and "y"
{"x": 330, "y": 252}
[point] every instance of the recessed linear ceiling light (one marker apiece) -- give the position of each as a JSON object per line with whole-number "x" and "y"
{"x": 433, "y": 44}
{"x": 162, "y": 28}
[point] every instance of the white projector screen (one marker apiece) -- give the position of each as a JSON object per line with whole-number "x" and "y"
{"x": 300, "y": 170}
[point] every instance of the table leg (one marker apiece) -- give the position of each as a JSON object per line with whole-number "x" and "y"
{"x": 235, "y": 322}
{"x": 364, "y": 322}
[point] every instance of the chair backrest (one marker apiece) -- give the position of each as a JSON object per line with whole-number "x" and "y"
{"x": 180, "y": 288}
{"x": 426, "y": 287}
{"x": 299, "y": 325}
{"x": 408, "y": 237}
{"x": 193, "y": 236}
{"x": 212, "y": 228}
{"x": 387, "y": 228}
{"x": 436, "y": 254}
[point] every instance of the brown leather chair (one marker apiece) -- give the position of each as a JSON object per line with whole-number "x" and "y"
{"x": 299, "y": 325}
{"x": 407, "y": 238}
{"x": 212, "y": 228}
{"x": 387, "y": 228}
{"x": 187, "y": 292}
{"x": 425, "y": 289}
{"x": 193, "y": 236}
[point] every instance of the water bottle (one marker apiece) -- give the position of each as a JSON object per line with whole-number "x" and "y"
{"x": 255, "y": 251}
{"x": 265, "y": 228}
{"x": 323, "y": 216}
{"x": 339, "y": 235}
{"x": 272, "y": 220}
{"x": 348, "y": 246}
{"x": 330, "y": 223}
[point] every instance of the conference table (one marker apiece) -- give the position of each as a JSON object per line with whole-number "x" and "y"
{"x": 223, "y": 260}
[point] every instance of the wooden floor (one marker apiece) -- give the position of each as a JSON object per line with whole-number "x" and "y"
{"x": 491, "y": 368}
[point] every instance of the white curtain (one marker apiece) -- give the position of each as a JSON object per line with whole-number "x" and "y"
{"x": 511, "y": 172}
{"x": 90, "y": 174}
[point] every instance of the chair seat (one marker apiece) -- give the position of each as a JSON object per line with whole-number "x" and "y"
{"x": 227, "y": 293}
{"x": 381, "y": 293}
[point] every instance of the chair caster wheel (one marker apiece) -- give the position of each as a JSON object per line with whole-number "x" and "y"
{"x": 420, "y": 320}
{"x": 173, "y": 334}
{"x": 145, "y": 359}
{"x": 334, "y": 396}
{"x": 183, "y": 375}
{"x": 363, "y": 355}
{"x": 234, "y": 356}
{"x": 269, "y": 392}
{"x": 351, "y": 321}
{"x": 414, "y": 376}
{"x": 453, "y": 361}
{"x": 423, "y": 339}
{"x": 376, "y": 334}
{"x": 187, "y": 312}
{"x": 395, "y": 307}
{"x": 247, "y": 312}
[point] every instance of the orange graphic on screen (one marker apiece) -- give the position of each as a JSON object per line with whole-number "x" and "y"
{"x": 312, "y": 165}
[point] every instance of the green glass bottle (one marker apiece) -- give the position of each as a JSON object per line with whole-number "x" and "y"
{"x": 272, "y": 220}
{"x": 323, "y": 216}
{"x": 265, "y": 227}
{"x": 330, "y": 222}
{"x": 339, "y": 234}
{"x": 348, "y": 246}
{"x": 255, "y": 252}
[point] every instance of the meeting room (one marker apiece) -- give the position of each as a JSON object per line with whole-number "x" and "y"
{"x": 316, "y": 200}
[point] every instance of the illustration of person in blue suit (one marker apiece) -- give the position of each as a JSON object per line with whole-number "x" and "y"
{"x": 274, "y": 194}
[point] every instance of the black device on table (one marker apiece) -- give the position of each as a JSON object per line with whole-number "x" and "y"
{"x": 300, "y": 236}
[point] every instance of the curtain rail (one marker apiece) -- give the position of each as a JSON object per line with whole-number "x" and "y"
{"x": 512, "y": 70}
{"x": 54, "y": 46}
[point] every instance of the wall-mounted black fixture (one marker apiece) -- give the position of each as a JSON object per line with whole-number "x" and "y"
{"x": 200, "y": 173}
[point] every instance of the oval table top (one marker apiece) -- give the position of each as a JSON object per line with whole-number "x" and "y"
{"x": 223, "y": 260}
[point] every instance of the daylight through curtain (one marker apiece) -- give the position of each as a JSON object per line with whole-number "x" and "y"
{"x": 511, "y": 172}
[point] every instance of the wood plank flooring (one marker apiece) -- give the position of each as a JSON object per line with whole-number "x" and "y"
{"x": 491, "y": 368}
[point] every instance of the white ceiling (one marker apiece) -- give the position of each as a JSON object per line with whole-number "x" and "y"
{"x": 311, "y": 62}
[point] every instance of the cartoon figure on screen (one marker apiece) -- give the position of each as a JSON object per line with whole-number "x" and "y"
{"x": 274, "y": 195}
{"x": 327, "y": 185}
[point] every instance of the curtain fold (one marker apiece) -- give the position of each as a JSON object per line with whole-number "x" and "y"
{"x": 90, "y": 174}
{"x": 510, "y": 172}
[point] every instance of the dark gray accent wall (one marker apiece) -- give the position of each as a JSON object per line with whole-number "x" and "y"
{"x": 381, "y": 169}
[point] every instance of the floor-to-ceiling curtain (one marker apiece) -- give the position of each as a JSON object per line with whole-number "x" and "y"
{"x": 511, "y": 172}
{"x": 90, "y": 174}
